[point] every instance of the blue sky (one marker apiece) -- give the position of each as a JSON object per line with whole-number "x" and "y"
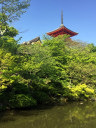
{"x": 45, "y": 15}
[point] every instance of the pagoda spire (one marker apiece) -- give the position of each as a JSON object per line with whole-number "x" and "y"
{"x": 61, "y": 17}
{"x": 62, "y": 25}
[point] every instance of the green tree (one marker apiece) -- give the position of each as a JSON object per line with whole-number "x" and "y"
{"x": 11, "y": 10}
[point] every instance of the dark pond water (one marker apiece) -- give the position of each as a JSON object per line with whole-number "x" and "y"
{"x": 71, "y": 115}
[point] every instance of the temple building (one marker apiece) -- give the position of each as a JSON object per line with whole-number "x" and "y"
{"x": 62, "y": 30}
{"x": 33, "y": 41}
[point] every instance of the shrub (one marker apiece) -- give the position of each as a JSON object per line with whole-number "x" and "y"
{"x": 22, "y": 101}
{"x": 81, "y": 91}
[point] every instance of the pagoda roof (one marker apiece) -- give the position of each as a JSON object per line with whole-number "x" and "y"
{"x": 61, "y": 31}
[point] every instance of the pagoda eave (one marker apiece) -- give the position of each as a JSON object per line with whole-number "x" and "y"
{"x": 62, "y": 31}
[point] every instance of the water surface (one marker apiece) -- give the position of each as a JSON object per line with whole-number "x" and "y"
{"x": 71, "y": 115}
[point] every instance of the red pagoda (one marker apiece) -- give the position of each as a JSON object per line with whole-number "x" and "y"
{"x": 62, "y": 30}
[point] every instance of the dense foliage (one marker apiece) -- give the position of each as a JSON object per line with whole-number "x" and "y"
{"x": 57, "y": 70}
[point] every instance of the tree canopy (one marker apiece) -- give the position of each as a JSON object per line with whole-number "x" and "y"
{"x": 46, "y": 73}
{"x": 11, "y": 10}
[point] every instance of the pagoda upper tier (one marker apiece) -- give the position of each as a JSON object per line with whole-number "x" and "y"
{"x": 62, "y": 30}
